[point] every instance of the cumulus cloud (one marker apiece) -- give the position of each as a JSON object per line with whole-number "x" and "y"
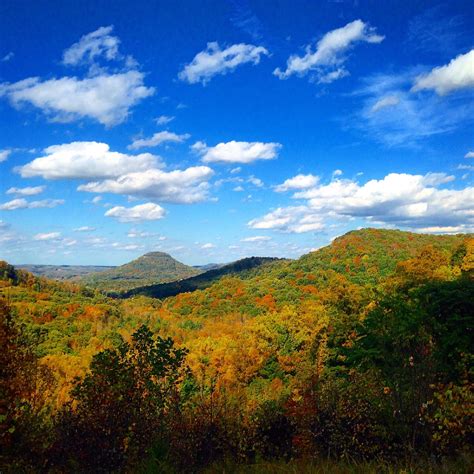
{"x": 118, "y": 173}
{"x": 384, "y": 102}
{"x": 330, "y": 53}
{"x": 401, "y": 199}
{"x": 28, "y": 191}
{"x": 157, "y": 139}
{"x": 214, "y": 60}
{"x": 237, "y": 152}
{"x": 178, "y": 186}
{"x": 300, "y": 181}
{"x": 469, "y": 154}
{"x": 207, "y": 246}
{"x": 48, "y": 236}
{"x": 22, "y": 203}
{"x": 294, "y": 219}
{"x": 458, "y": 74}
{"x": 139, "y": 213}
{"x": 85, "y": 160}
{"x": 4, "y": 154}
{"x": 106, "y": 98}
{"x": 99, "y": 43}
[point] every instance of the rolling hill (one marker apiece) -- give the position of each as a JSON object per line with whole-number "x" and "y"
{"x": 240, "y": 268}
{"x": 151, "y": 268}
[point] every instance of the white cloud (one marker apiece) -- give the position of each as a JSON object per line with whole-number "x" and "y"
{"x": 293, "y": 219}
{"x": 237, "y": 152}
{"x": 333, "y": 76}
{"x": 236, "y": 170}
{"x": 28, "y": 191}
{"x": 84, "y": 228}
{"x": 22, "y": 203}
{"x": 329, "y": 56}
{"x": 121, "y": 246}
{"x": 469, "y": 154}
{"x": 105, "y": 98}
{"x": 179, "y": 186}
{"x": 443, "y": 230}
{"x": 134, "y": 233}
{"x": 207, "y": 246}
{"x": 300, "y": 181}
{"x": 119, "y": 173}
{"x": 164, "y": 119}
{"x": 399, "y": 199}
{"x": 278, "y": 219}
{"x": 139, "y": 213}
{"x": 4, "y": 154}
{"x": 85, "y": 160}
{"x": 214, "y": 60}
{"x": 389, "y": 101}
{"x": 47, "y": 236}
{"x": 257, "y": 238}
{"x": 158, "y": 139}
{"x": 458, "y": 74}
{"x": 255, "y": 181}
{"x": 91, "y": 46}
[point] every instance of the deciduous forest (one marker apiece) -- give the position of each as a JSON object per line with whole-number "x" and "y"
{"x": 356, "y": 357}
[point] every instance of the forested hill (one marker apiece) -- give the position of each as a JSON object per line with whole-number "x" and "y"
{"x": 369, "y": 255}
{"x": 240, "y": 268}
{"x": 153, "y": 267}
{"x": 361, "y": 348}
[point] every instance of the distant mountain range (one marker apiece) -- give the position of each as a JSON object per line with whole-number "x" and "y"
{"x": 63, "y": 272}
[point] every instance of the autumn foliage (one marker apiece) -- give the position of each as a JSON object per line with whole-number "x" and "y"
{"x": 359, "y": 351}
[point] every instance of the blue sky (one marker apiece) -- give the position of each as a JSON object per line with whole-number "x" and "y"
{"x": 216, "y": 130}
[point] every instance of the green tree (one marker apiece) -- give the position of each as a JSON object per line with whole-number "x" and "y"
{"x": 121, "y": 406}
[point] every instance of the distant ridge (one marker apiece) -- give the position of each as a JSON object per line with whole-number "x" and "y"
{"x": 151, "y": 268}
{"x": 63, "y": 272}
{"x": 204, "y": 280}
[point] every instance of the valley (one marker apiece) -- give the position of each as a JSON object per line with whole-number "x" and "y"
{"x": 264, "y": 342}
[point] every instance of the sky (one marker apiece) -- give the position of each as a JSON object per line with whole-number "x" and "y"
{"x": 219, "y": 129}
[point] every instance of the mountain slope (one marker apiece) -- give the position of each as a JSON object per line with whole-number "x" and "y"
{"x": 344, "y": 276}
{"x": 239, "y": 268}
{"x": 153, "y": 267}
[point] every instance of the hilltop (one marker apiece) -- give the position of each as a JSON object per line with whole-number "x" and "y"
{"x": 369, "y": 255}
{"x": 153, "y": 267}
